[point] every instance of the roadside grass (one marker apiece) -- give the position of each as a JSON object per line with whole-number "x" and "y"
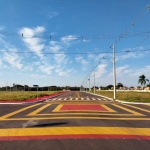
{"x": 128, "y": 96}
{"x": 23, "y": 95}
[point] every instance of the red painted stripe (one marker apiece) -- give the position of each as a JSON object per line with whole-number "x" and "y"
{"x": 82, "y": 136}
{"x": 83, "y": 107}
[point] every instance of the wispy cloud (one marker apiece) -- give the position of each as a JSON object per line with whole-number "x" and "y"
{"x": 46, "y": 69}
{"x": 141, "y": 71}
{"x": 13, "y": 59}
{"x": 52, "y": 14}
{"x": 81, "y": 60}
{"x": 67, "y": 39}
{"x": 31, "y": 40}
{"x": 64, "y": 72}
{"x": 101, "y": 69}
{"x": 2, "y": 27}
{"x": 131, "y": 54}
{"x": 123, "y": 70}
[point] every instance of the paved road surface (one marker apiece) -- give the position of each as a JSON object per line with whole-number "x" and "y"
{"x": 75, "y": 120}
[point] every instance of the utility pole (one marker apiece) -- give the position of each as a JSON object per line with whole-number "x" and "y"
{"x": 94, "y": 80}
{"x": 114, "y": 70}
{"x": 89, "y": 83}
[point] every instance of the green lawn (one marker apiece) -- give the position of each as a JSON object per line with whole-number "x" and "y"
{"x": 128, "y": 96}
{"x": 23, "y": 95}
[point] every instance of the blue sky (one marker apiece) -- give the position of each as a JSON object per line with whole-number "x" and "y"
{"x": 62, "y": 27}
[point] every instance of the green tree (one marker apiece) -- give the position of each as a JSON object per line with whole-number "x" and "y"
{"x": 142, "y": 80}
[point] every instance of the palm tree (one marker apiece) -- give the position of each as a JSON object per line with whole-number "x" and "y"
{"x": 142, "y": 80}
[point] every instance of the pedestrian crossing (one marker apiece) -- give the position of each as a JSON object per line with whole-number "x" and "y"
{"x": 80, "y": 99}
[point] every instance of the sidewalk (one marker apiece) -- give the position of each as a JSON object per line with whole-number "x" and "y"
{"x": 33, "y": 100}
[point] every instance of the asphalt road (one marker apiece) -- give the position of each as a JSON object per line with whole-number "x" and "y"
{"x": 75, "y": 120}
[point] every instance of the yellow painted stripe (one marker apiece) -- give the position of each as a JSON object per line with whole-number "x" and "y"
{"x": 74, "y": 131}
{"x": 128, "y": 110}
{"x": 108, "y": 108}
{"x": 78, "y": 95}
{"x": 38, "y": 110}
{"x": 57, "y": 109}
{"x": 137, "y": 108}
{"x": 92, "y": 118}
{"x": 18, "y": 111}
{"x": 83, "y": 113}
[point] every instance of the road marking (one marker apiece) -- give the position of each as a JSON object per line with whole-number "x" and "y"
{"x": 108, "y": 108}
{"x": 57, "y": 108}
{"x": 137, "y": 108}
{"x": 54, "y": 99}
{"x": 65, "y": 99}
{"x": 82, "y": 98}
{"x": 70, "y": 98}
{"x": 93, "y": 99}
{"x": 76, "y": 98}
{"x": 99, "y": 99}
{"x": 81, "y": 130}
{"x": 128, "y": 110}
{"x": 78, "y": 95}
{"x": 38, "y": 110}
{"x": 87, "y": 98}
{"x": 59, "y": 99}
{"x": 18, "y": 111}
{"x": 72, "y": 117}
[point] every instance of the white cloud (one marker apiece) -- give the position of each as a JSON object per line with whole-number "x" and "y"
{"x": 33, "y": 43}
{"x": 141, "y": 71}
{"x": 121, "y": 71}
{"x": 37, "y": 75}
{"x": 46, "y": 69}
{"x": 100, "y": 70}
{"x": 13, "y": 59}
{"x": 59, "y": 58}
{"x": 63, "y": 72}
{"x": 54, "y": 46}
{"x": 81, "y": 60}
{"x": 67, "y": 39}
{"x": 52, "y": 14}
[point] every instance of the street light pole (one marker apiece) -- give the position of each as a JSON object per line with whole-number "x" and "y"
{"x": 89, "y": 83}
{"x": 114, "y": 71}
{"x": 94, "y": 80}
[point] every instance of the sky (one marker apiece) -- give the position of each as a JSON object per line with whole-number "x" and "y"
{"x": 60, "y": 42}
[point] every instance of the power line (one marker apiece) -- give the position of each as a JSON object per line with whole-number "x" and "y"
{"x": 86, "y": 37}
{"x": 75, "y": 53}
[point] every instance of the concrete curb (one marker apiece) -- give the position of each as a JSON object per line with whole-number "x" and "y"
{"x": 40, "y": 100}
{"x": 121, "y": 101}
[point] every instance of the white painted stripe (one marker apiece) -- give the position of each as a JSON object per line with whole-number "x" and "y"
{"x": 93, "y": 99}
{"x": 76, "y": 98}
{"x": 60, "y": 99}
{"x": 70, "y": 98}
{"x": 65, "y": 99}
{"x": 82, "y": 98}
{"x": 87, "y": 98}
{"x": 99, "y": 99}
{"x": 54, "y": 99}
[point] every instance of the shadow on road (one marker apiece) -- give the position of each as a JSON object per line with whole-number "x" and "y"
{"x": 49, "y": 124}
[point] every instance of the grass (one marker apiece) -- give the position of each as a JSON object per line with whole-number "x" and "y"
{"x": 127, "y": 96}
{"x": 23, "y": 95}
